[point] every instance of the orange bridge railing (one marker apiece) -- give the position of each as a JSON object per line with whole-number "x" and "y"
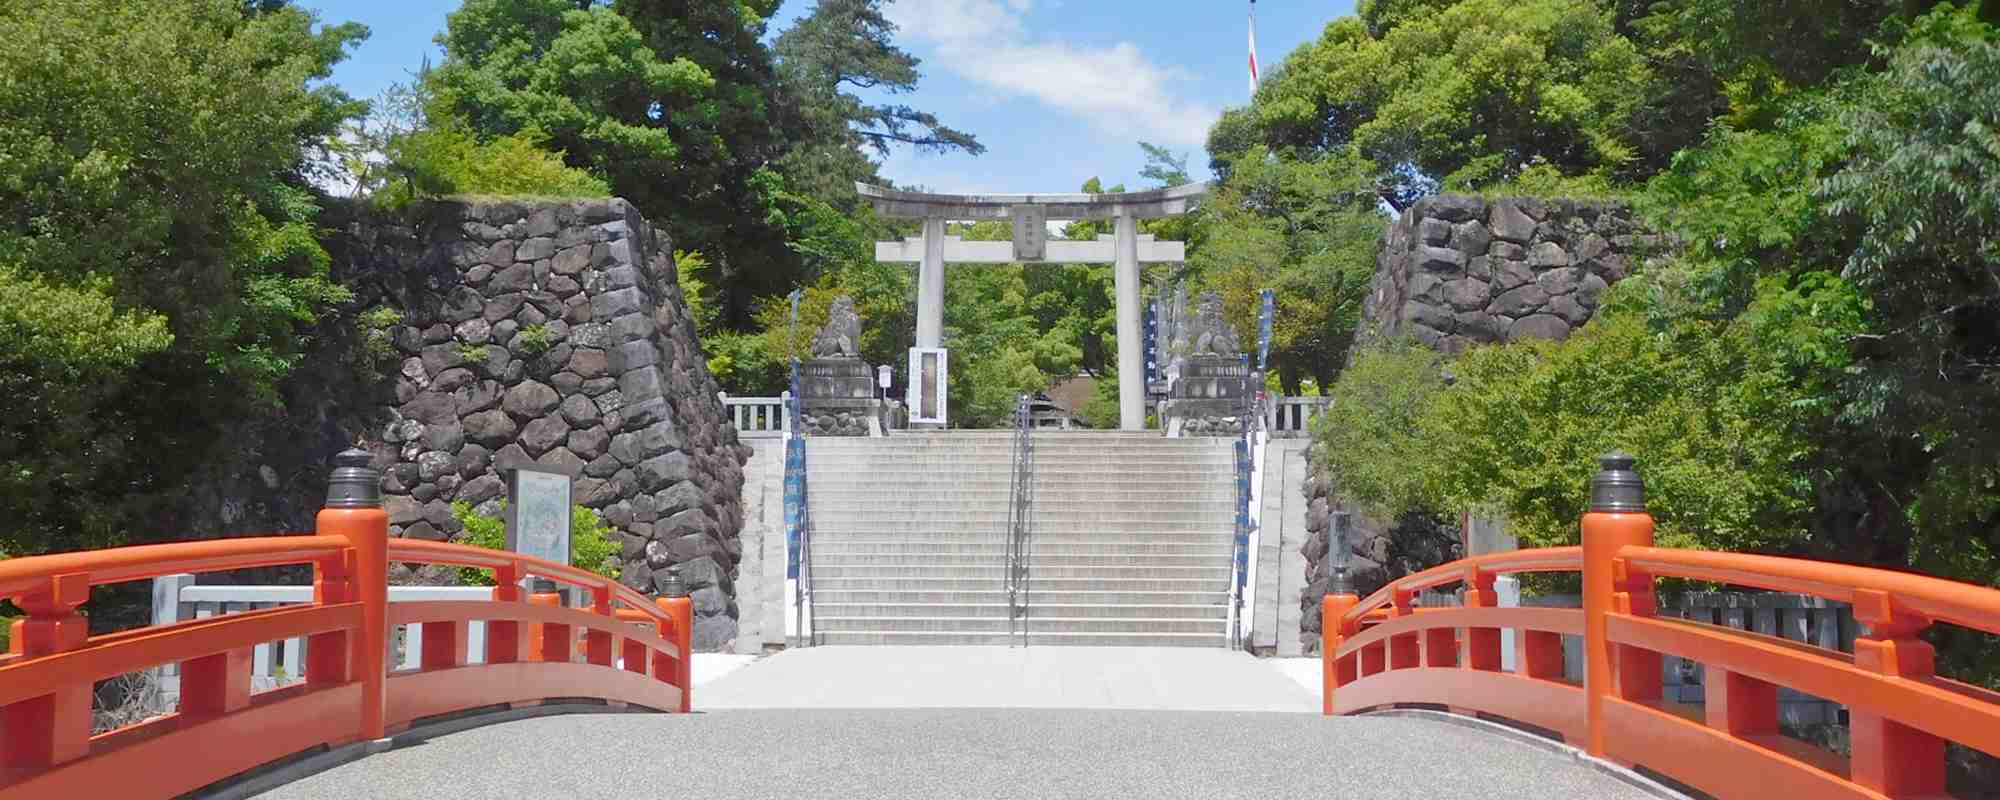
{"x": 633, "y": 652}
{"x": 1382, "y": 652}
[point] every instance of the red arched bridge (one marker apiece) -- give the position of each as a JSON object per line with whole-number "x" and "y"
{"x": 632, "y": 652}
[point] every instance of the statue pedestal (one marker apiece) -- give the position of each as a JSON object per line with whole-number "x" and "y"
{"x": 1209, "y": 397}
{"x": 837, "y": 397}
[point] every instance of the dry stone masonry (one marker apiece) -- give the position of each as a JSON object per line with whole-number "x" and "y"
{"x": 1455, "y": 271}
{"x": 555, "y": 332}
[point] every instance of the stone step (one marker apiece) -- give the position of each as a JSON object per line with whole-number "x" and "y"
{"x": 998, "y": 596}
{"x": 971, "y": 569}
{"x": 1002, "y": 482}
{"x": 825, "y": 508}
{"x": 1076, "y": 460}
{"x": 826, "y": 610}
{"x": 1130, "y": 539}
{"x": 838, "y": 558}
{"x": 1035, "y": 639}
{"x": 1054, "y": 496}
{"x": 1000, "y": 624}
{"x": 993, "y": 546}
{"x": 996, "y": 529}
{"x": 1036, "y": 583}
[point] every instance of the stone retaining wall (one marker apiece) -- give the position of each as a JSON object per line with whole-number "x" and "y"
{"x": 1455, "y": 271}
{"x": 555, "y": 332}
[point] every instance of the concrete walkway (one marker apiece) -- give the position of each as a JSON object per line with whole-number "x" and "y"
{"x": 1100, "y": 678}
{"x": 951, "y": 753}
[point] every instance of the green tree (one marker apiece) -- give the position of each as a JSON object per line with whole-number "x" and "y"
{"x": 671, "y": 100}
{"x": 1307, "y": 229}
{"x": 160, "y": 246}
{"x": 848, "y": 45}
{"x": 1461, "y": 94}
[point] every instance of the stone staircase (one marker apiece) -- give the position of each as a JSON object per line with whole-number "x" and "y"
{"x": 1131, "y": 539}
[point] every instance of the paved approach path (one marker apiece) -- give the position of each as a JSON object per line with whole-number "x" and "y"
{"x": 1107, "y": 678}
{"x": 886, "y": 723}
{"x": 938, "y": 754}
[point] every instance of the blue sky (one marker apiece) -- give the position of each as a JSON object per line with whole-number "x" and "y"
{"x": 1058, "y": 90}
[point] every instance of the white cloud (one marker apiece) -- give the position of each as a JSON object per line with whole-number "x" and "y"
{"x": 1116, "y": 89}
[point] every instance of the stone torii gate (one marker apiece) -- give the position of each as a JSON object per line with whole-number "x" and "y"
{"x": 1030, "y": 213}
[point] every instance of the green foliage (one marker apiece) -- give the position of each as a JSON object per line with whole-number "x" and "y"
{"x": 159, "y": 247}
{"x": 1374, "y": 414}
{"x": 692, "y": 270}
{"x": 847, "y": 44}
{"x": 1101, "y": 410}
{"x": 1308, "y": 230}
{"x": 72, "y": 331}
{"x": 451, "y": 160}
{"x": 1461, "y": 93}
{"x": 534, "y": 339}
{"x": 1717, "y": 414}
{"x": 376, "y": 350}
{"x": 676, "y": 104}
{"x": 591, "y": 545}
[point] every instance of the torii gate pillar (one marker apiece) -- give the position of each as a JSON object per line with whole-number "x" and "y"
{"x": 1126, "y": 250}
{"x": 930, "y": 286}
{"x": 1131, "y": 355}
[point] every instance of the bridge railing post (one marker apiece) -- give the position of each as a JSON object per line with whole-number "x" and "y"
{"x": 53, "y": 728}
{"x": 680, "y": 609}
{"x": 1334, "y": 671}
{"x": 354, "y": 511}
{"x": 1482, "y": 645}
{"x": 1888, "y": 756}
{"x": 1617, "y": 518}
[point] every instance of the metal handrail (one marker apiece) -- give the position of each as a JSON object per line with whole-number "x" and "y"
{"x": 1246, "y": 449}
{"x": 1020, "y": 526}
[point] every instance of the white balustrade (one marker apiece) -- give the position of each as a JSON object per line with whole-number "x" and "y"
{"x": 758, "y": 417}
{"x": 1291, "y": 417}
{"x": 176, "y": 598}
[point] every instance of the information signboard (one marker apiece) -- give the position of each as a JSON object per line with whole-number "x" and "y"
{"x": 538, "y": 512}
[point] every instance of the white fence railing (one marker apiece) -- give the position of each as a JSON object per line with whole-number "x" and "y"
{"x": 1800, "y": 618}
{"x": 1291, "y": 417}
{"x": 272, "y": 664}
{"x": 758, "y": 417}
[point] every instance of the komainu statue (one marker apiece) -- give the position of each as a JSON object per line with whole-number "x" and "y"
{"x": 841, "y": 338}
{"x": 1212, "y": 335}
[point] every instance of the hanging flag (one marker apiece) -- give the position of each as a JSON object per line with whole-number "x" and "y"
{"x": 1267, "y": 308}
{"x": 1253, "y": 48}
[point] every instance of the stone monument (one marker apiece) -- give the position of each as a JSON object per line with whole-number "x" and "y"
{"x": 836, "y": 387}
{"x": 1208, "y": 397}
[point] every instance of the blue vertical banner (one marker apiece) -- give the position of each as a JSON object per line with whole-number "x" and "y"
{"x": 1267, "y": 310}
{"x": 1242, "y": 513}
{"x": 795, "y": 478}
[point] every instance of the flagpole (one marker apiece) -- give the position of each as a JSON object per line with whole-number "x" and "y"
{"x": 1253, "y": 49}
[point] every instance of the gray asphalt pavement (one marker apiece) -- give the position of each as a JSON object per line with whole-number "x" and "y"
{"x": 886, "y": 754}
